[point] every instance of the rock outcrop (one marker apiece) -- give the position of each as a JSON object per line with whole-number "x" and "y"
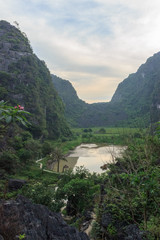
{"x": 20, "y": 216}
{"x": 15, "y": 184}
{"x": 13, "y": 45}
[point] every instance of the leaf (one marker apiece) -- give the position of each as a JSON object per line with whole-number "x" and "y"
{"x": 19, "y": 118}
{"x": 8, "y": 119}
{"x": 23, "y": 123}
{"x": 6, "y": 111}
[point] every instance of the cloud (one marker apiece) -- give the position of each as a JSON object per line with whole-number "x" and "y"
{"x": 93, "y": 43}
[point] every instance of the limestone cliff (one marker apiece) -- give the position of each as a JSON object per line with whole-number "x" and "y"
{"x": 25, "y": 80}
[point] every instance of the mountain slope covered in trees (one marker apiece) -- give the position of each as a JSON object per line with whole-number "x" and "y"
{"x": 81, "y": 114}
{"x": 74, "y": 106}
{"x": 136, "y": 101}
{"x": 25, "y": 80}
{"x": 139, "y": 93}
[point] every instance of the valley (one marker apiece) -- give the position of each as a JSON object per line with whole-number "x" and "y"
{"x": 42, "y": 118}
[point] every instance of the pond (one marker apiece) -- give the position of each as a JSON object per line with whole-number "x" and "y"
{"x": 91, "y": 157}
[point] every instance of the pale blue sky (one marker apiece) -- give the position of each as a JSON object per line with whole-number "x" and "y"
{"x": 93, "y": 43}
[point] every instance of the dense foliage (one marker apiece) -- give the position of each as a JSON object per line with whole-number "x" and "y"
{"x": 81, "y": 114}
{"x": 25, "y": 80}
{"x": 132, "y": 192}
{"x": 77, "y": 188}
{"x": 127, "y": 194}
{"x": 139, "y": 93}
{"x": 17, "y": 147}
{"x": 74, "y": 106}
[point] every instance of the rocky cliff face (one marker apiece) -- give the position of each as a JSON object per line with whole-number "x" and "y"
{"x": 13, "y": 45}
{"x": 20, "y": 216}
{"x": 25, "y": 80}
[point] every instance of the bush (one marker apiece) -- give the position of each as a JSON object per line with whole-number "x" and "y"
{"x": 102, "y": 131}
{"x": 8, "y": 161}
{"x": 46, "y": 148}
{"x": 41, "y": 193}
{"x": 24, "y": 155}
{"x": 132, "y": 188}
{"x": 80, "y": 193}
{"x": 96, "y": 231}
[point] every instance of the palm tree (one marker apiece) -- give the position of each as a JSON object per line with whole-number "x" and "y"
{"x": 58, "y": 155}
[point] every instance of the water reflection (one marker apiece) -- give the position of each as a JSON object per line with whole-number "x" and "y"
{"x": 91, "y": 157}
{"x": 70, "y": 163}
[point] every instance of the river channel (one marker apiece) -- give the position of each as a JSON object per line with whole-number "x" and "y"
{"x": 91, "y": 157}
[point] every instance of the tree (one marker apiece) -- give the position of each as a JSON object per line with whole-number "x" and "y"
{"x": 56, "y": 156}
{"x": 80, "y": 194}
{"x": 102, "y": 131}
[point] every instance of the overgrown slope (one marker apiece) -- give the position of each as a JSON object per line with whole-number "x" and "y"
{"x": 25, "y": 80}
{"x": 74, "y": 106}
{"x": 139, "y": 93}
{"x": 136, "y": 101}
{"x": 81, "y": 114}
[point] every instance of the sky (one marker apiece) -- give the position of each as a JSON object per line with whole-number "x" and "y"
{"x": 95, "y": 44}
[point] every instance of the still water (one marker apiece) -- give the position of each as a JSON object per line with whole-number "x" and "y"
{"x": 91, "y": 157}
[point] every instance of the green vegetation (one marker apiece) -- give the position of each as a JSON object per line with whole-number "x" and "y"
{"x": 15, "y": 37}
{"x": 17, "y": 146}
{"x": 131, "y": 185}
{"x": 134, "y": 104}
{"x": 10, "y": 114}
{"x": 57, "y": 156}
{"x": 28, "y": 82}
{"x": 21, "y": 236}
{"x": 107, "y": 135}
{"x": 127, "y": 193}
{"x": 74, "y": 106}
{"x": 78, "y": 189}
{"x": 132, "y": 190}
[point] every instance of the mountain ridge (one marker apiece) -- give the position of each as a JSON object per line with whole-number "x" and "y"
{"x": 135, "y": 101}
{"x": 74, "y": 106}
{"x": 26, "y": 80}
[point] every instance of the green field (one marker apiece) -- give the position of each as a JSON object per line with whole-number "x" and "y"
{"x": 107, "y": 135}
{"x": 115, "y": 130}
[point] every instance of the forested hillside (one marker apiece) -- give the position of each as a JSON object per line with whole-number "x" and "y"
{"x": 74, "y": 106}
{"x": 136, "y": 101}
{"x": 25, "y": 80}
{"x": 81, "y": 114}
{"x": 139, "y": 93}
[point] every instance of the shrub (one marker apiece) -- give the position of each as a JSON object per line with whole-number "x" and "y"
{"x": 8, "y": 161}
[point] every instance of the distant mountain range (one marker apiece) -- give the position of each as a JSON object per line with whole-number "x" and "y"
{"x": 136, "y": 101}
